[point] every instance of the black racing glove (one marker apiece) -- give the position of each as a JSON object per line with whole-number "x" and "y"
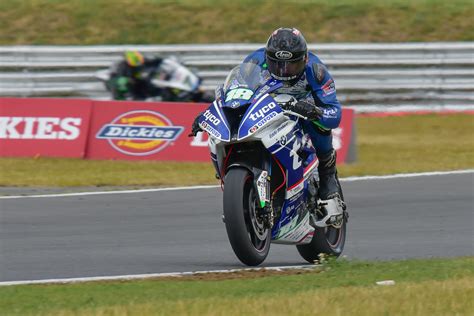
{"x": 195, "y": 128}
{"x": 311, "y": 111}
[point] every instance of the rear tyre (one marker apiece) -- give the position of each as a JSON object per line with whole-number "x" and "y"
{"x": 327, "y": 240}
{"x": 247, "y": 234}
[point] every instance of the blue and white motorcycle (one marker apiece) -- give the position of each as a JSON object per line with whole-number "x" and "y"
{"x": 268, "y": 169}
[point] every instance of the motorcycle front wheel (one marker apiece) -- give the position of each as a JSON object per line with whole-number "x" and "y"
{"x": 247, "y": 234}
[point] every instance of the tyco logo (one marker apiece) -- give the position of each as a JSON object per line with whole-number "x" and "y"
{"x": 140, "y": 133}
{"x": 260, "y": 113}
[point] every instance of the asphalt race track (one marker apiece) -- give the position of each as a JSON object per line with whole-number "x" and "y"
{"x": 181, "y": 230}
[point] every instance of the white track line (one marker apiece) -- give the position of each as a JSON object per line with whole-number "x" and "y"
{"x": 348, "y": 179}
{"x": 197, "y": 187}
{"x": 151, "y": 275}
{"x": 406, "y": 175}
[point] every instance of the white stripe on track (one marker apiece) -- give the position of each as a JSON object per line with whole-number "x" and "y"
{"x": 151, "y": 275}
{"x": 348, "y": 179}
{"x": 197, "y": 187}
{"x": 406, "y": 175}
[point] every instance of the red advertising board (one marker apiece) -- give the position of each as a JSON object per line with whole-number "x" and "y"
{"x": 145, "y": 131}
{"x": 343, "y": 137}
{"x": 43, "y": 127}
{"x": 116, "y": 130}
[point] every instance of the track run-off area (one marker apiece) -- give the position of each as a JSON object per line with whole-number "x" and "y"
{"x": 87, "y": 236}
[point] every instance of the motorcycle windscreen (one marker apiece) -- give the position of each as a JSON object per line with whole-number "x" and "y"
{"x": 214, "y": 123}
{"x": 259, "y": 114}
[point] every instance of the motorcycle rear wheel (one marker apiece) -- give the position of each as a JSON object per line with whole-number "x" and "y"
{"x": 248, "y": 237}
{"x": 327, "y": 240}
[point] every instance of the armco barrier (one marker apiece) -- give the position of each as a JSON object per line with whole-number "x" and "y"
{"x": 115, "y": 130}
{"x": 368, "y": 77}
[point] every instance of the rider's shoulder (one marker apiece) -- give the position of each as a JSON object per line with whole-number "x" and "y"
{"x": 317, "y": 68}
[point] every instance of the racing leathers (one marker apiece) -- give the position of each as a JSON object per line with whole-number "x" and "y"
{"x": 315, "y": 90}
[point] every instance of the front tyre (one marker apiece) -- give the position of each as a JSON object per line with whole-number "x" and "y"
{"x": 247, "y": 234}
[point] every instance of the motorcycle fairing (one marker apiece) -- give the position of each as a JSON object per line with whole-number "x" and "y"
{"x": 293, "y": 225}
{"x": 296, "y": 231}
{"x": 258, "y": 115}
{"x": 286, "y": 151}
{"x": 214, "y": 122}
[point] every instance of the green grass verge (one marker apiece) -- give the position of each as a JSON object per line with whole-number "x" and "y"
{"x": 385, "y": 146}
{"x": 88, "y": 22}
{"x": 423, "y": 287}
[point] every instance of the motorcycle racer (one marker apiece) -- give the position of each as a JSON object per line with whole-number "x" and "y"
{"x": 137, "y": 77}
{"x": 126, "y": 77}
{"x": 307, "y": 79}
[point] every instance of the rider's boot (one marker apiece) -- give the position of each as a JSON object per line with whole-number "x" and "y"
{"x": 328, "y": 185}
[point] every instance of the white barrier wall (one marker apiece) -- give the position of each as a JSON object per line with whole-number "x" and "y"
{"x": 368, "y": 76}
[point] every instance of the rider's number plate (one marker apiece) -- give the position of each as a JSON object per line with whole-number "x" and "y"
{"x": 239, "y": 94}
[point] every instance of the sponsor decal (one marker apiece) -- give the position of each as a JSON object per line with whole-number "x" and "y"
{"x": 253, "y": 129}
{"x": 261, "y": 113}
{"x": 262, "y": 122}
{"x": 262, "y": 186}
{"x": 140, "y": 133}
{"x": 262, "y": 92}
{"x": 211, "y": 118}
{"x": 278, "y": 129}
{"x": 235, "y": 104}
{"x": 52, "y": 128}
{"x": 211, "y": 130}
{"x": 330, "y": 113}
{"x": 295, "y": 189}
{"x": 283, "y": 54}
{"x": 328, "y": 88}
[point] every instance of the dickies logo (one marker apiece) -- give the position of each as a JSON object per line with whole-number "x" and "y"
{"x": 140, "y": 133}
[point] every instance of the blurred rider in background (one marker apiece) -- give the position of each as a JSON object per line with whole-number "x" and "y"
{"x": 137, "y": 77}
{"x": 307, "y": 79}
{"x": 128, "y": 80}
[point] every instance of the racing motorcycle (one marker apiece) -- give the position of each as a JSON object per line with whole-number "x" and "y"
{"x": 169, "y": 81}
{"x": 268, "y": 169}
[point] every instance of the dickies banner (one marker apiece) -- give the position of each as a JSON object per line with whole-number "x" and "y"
{"x": 115, "y": 130}
{"x": 145, "y": 131}
{"x": 44, "y": 127}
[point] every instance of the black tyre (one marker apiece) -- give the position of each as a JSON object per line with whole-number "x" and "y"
{"x": 327, "y": 240}
{"x": 248, "y": 237}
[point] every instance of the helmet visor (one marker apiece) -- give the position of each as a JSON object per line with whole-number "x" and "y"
{"x": 286, "y": 69}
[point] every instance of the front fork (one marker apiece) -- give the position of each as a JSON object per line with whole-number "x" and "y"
{"x": 262, "y": 187}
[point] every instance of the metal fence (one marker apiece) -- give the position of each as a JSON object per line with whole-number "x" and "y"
{"x": 366, "y": 75}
